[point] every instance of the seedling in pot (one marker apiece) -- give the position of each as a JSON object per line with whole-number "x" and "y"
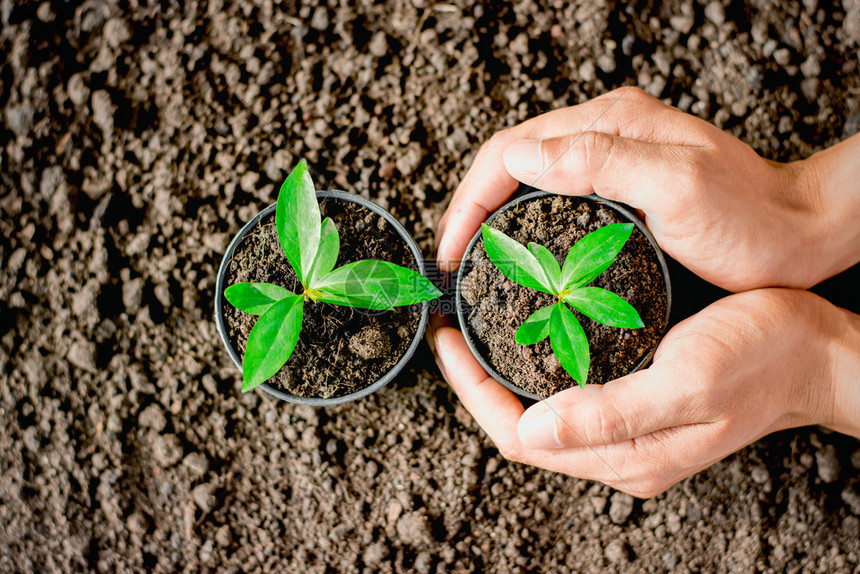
{"x": 537, "y": 268}
{"x": 312, "y": 246}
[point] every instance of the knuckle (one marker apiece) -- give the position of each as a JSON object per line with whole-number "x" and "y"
{"x": 510, "y": 452}
{"x": 500, "y": 138}
{"x": 603, "y": 425}
{"x": 648, "y": 488}
{"x": 694, "y": 171}
{"x": 637, "y": 92}
{"x": 690, "y": 177}
{"x": 639, "y": 95}
{"x": 626, "y": 91}
{"x": 588, "y": 151}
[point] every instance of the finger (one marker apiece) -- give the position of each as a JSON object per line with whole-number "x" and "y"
{"x": 485, "y": 188}
{"x": 630, "y": 171}
{"x": 495, "y": 408}
{"x": 648, "y": 465}
{"x": 628, "y": 112}
{"x": 436, "y": 322}
{"x": 488, "y": 185}
{"x": 633, "y": 406}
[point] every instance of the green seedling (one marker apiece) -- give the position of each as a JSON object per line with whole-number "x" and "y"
{"x": 312, "y": 248}
{"x": 537, "y": 268}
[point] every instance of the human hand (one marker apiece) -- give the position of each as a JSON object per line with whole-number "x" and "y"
{"x": 733, "y": 218}
{"x": 746, "y": 366}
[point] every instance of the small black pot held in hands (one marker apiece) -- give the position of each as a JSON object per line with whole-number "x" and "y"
{"x": 343, "y": 353}
{"x": 491, "y": 307}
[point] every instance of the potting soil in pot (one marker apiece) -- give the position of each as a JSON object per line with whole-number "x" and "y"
{"x": 341, "y": 350}
{"x": 498, "y": 306}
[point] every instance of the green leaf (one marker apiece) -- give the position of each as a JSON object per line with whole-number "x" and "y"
{"x": 377, "y": 285}
{"x": 535, "y": 328}
{"x": 569, "y": 343}
{"x": 255, "y": 298}
{"x": 514, "y": 260}
{"x": 272, "y": 341}
{"x": 327, "y": 253}
{"x": 604, "y": 307}
{"x": 549, "y": 264}
{"x": 593, "y": 254}
{"x": 298, "y": 220}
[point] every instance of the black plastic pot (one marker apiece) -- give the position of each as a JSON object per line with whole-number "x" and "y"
{"x": 221, "y": 301}
{"x": 465, "y": 265}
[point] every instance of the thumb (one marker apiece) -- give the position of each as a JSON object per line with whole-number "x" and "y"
{"x": 631, "y": 171}
{"x": 638, "y": 404}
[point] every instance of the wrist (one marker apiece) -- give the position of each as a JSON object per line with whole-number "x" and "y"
{"x": 843, "y": 358}
{"x": 826, "y": 188}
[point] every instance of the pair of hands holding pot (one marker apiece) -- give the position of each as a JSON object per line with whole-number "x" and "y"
{"x": 770, "y": 357}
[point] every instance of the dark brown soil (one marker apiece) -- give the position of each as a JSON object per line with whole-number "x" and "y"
{"x": 341, "y": 350}
{"x": 498, "y": 306}
{"x": 135, "y": 141}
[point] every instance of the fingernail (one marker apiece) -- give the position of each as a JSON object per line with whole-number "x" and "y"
{"x": 440, "y": 251}
{"x": 442, "y": 260}
{"x": 435, "y": 348}
{"x": 538, "y": 428}
{"x": 440, "y": 233}
{"x": 524, "y": 157}
{"x": 437, "y": 242}
{"x": 437, "y": 321}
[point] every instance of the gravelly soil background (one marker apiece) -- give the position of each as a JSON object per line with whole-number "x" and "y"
{"x": 130, "y": 156}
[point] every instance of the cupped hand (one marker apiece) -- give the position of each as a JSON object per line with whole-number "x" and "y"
{"x": 733, "y": 218}
{"x": 745, "y": 366}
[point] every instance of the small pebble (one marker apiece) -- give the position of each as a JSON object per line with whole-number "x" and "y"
{"x": 137, "y": 523}
{"x": 116, "y": 32}
{"x": 616, "y": 552}
{"x": 760, "y": 475}
{"x": 620, "y": 507}
{"x": 855, "y": 459}
{"x": 223, "y": 536}
{"x": 202, "y": 497}
{"x": 599, "y": 503}
{"x": 423, "y": 562}
{"x": 413, "y": 528}
{"x": 852, "y": 499}
{"x": 809, "y": 87}
{"x": 587, "y": 71}
{"x": 393, "y": 512}
{"x": 166, "y": 450}
{"x": 44, "y": 12}
{"x": 811, "y": 68}
{"x": 375, "y": 553}
{"x": 851, "y": 24}
{"x": 19, "y": 119}
{"x": 378, "y": 45}
{"x": 782, "y": 56}
{"x": 606, "y": 63}
{"x": 681, "y": 23}
{"x": 196, "y": 462}
{"x": 715, "y": 13}
{"x": 320, "y": 19}
{"x": 103, "y": 110}
{"x": 673, "y": 522}
{"x": 152, "y": 417}
{"x": 370, "y": 343}
{"x": 331, "y": 447}
{"x": 670, "y": 560}
{"x": 828, "y": 464}
{"x": 82, "y": 354}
